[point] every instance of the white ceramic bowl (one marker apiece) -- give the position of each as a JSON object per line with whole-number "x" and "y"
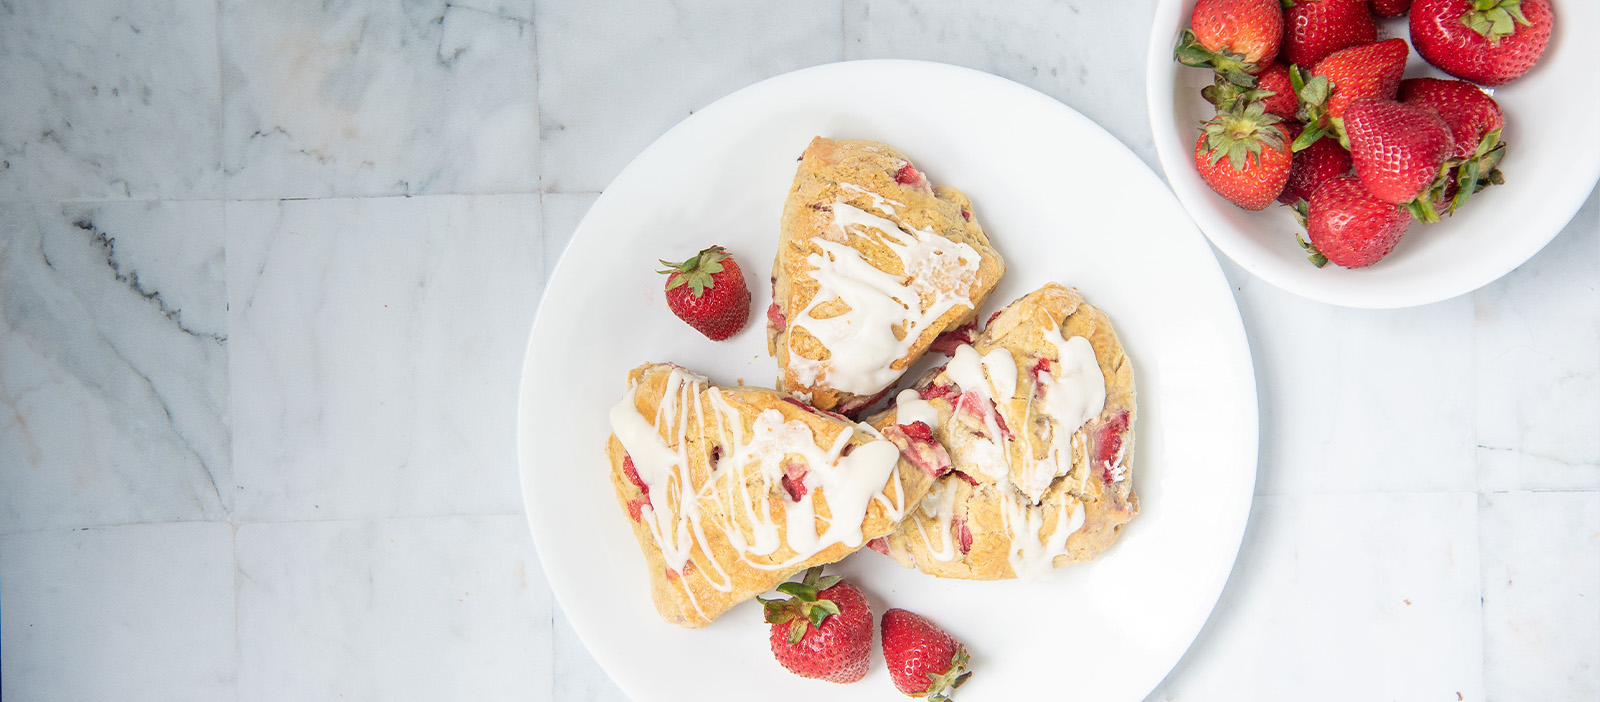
{"x": 1552, "y": 163}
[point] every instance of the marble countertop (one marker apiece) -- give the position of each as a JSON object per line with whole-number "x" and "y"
{"x": 267, "y": 271}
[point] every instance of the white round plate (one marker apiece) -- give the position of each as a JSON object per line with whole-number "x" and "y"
{"x": 1551, "y": 165}
{"x": 1109, "y": 630}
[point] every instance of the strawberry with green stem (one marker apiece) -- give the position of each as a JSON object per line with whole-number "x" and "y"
{"x": 1244, "y": 156}
{"x": 1489, "y": 42}
{"x": 1400, "y": 152}
{"x": 823, "y": 630}
{"x": 709, "y": 293}
{"x": 923, "y": 660}
{"x": 1349, "y": 226}
{"x": 1235, "y": 38}
{"x": 1475, "y": 122}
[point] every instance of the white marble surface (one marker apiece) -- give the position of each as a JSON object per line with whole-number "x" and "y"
{"x": 267, "y": 269}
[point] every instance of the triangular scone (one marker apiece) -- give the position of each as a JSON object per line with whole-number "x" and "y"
{"x": 873, "y": 263}
{"x": 1038, "y": 420}
{"x": 732, "y": 490}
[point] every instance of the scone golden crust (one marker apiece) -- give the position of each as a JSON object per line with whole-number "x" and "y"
{"x": 873, "y": 264}
{"x": 1038, "y": 417}
{"x": 730, "y": 491}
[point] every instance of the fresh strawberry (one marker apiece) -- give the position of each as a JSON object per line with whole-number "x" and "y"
{"x": 1390, "y": 8}
{"x": 1312, "y": 29}
{"x": 1398, "y": 149}
{"x": 1236, "y": 38}
{"x": 823, "y": 630}
{"x": 1370, "y": 70}
{"x": 1475, "y": 123}
{"x": 1349, "y": 226}
{"x": 1323, "y": 160}
{"x": 1244, "y": 156}
{"x": 924, "y": 661}
{"x": 708, "y": 292}
{"x": 1273, "y": 87}
{"x": 1489, "y": 42}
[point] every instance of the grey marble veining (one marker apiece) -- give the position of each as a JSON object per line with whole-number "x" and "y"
{"x": 109, "y": 99}
{"x": 337, "y": 99}
{"x": 115, "y": 359}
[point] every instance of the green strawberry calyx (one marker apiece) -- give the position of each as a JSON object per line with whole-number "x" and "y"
{"x": 1312, "y": 254}
{"x": 1312, "y": 92}
{"x": 1229, "y": 66}
{"x": 1226, "y": 95}
{"x": 803, "y": 608}
{"x": 695, "y": 272}
{"x": 1468, "y": 176}
{"x": 1495, "y": 19}
{"x": 941, "y": 685}
{"x": 1239, "y": 135}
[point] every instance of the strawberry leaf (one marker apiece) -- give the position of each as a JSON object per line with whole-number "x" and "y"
{"x": 1313, "y": 255}
{"x": 797, "y": 630}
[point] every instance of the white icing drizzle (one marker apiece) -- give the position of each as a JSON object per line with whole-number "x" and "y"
{"x": 1068, "y": 397}
{"x": 1032, "y": 555}
{"x": 879, "y": 202}
{"x": 940, "y": 504}
{"x": 910, "y": 407}
{"x": 674, "y": 515}
{"x": 978, "y": 375}
{"x": 861, "y": 343}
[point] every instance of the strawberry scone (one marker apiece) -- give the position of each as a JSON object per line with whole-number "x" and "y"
{"x": 732, "y": 490}
{"x": 1037, "y": 415}
{"x": 873, "y": 263}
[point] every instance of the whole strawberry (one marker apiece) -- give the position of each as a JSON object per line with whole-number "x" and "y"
{"x": 1398, "y": 149}
{"x": 1349, "y": 226}
{"x": 1475, "y": 123}
{"x": 1236, "y": 38}
{"x": 1370, "y": 70}
{"x": 823, "y": 630}
{"x": 1324, "y": 160}
{"x": 924, "y": 661}
{"x": 1390, "y": 8}
{"x": 1244, "y": 156}
{"x": 708, "y": 292}
{"x": 1312, "y": 29}
{"x": 1489, "y": 42}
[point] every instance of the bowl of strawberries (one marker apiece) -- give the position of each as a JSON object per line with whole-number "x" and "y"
{"x": 1377, "y": 153}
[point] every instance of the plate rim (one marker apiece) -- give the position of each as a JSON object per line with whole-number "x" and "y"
{"x": 1230, "y": 327}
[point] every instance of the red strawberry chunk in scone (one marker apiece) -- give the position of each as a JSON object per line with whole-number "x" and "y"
{"x": 1108, "y": 446}
{"x": 918, "y": 446}
{"x": 794, "y": 477}
{"x": 636, "y": 508}
{"x": 963, "y": 534}
{"x": 938, "y": 391}
{"x": 948, "y": 342}
{"x": 632, "y": 474}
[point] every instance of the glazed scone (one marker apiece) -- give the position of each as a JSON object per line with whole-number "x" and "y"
{"x": 1037, "y": 415}
{"x": 873, "y": 264}
{"x": 732, "y": 490}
